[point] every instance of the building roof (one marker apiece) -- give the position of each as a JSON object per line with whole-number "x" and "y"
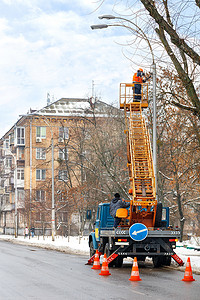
{"x": 75, "y": 107}
{"x": 71, "y": 107}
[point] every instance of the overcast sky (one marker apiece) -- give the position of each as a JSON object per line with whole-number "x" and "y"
{"x": 47, "y": 46}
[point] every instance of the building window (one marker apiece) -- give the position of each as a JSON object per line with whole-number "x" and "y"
{"x": 20, "y": 135}
{"x": 9, "y": 162}
{"x": 40, "y": 174}
{"x": 64, "y": 132}
{"x": 21, "y": 198}
{"x": 7, "y": 144}
{"x": 40, "y": 153}
{"x": 41, "y": 132}
{"x": 63, "y": 154}
{"x": 62, "y": 175}
{"x": 11, "y": 138}
{"x": 40, "y": 195}
{"x": 20, "y": 153}
{"x": 20, "y": 174}
{"x": 88, "y": 214}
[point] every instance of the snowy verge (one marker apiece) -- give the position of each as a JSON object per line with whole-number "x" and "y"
{"x": 188, "y": 249}
{"x": 71, "y": 245}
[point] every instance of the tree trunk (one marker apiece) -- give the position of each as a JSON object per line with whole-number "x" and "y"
{"x": 182, "y": 219}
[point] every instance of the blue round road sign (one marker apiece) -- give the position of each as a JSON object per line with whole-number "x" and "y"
{"x": 138, "y": 232}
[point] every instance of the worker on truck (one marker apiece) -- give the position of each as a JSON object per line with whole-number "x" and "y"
{"x": 115, "y": 204}
{"x": 138, "y": 78}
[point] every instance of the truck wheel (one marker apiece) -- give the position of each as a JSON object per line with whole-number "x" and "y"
{"x": 157, "y": 261}
{"x": 166, "y": 261}
{"x": 108, "y": 253}
{"x": 92, "y": 251}
{"x": 158, "y": 215}
{"x": 118, "y": 262}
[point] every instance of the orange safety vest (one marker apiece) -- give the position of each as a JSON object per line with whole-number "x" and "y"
{"x": 137, "y": 78}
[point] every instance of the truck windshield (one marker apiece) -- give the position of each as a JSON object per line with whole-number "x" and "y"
{"x": 98, "y": 213}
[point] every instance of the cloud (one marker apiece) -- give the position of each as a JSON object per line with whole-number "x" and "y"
{"x": 54, "y": 50}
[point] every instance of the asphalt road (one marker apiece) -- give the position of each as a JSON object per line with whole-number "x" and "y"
{"x": 33, "y": 273}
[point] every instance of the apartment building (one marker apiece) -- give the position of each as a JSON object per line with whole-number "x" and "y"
{"x": 33, "y": 164}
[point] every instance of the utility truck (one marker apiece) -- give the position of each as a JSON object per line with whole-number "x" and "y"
{"x": 144, "y": 230}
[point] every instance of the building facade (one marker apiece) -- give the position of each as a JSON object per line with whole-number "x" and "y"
{"x": 35, "y": 158}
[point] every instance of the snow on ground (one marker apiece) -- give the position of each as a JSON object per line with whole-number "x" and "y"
{"x": 187, "y": 249}
{"x": 72, "y": 244}
{"x": 79, "y": 245}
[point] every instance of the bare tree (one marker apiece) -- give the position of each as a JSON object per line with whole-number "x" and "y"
{"x": 96, "y": 161}
{"x": 178, "y": 162}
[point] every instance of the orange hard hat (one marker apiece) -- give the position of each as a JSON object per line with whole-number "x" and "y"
{"x": 140, "y": 69}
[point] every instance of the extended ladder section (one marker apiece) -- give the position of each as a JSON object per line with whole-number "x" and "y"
{"x": 139, "y": 156}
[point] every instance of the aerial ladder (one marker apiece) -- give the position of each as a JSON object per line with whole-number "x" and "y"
{"x": 143, "y": 205}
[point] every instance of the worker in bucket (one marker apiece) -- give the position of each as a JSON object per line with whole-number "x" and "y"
{"x": 115, "y": 204}
{"x": 138, "y": 78}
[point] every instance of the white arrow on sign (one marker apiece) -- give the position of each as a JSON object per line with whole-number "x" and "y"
{"x": 136, "y": 232}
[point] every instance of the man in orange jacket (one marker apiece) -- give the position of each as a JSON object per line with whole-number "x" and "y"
{"x": 138, "y": 78}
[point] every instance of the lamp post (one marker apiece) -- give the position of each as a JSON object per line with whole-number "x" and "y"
{"x": 53, "y": 227}
{"x": 141, "y": 33}
{"x": 16, "y": 199}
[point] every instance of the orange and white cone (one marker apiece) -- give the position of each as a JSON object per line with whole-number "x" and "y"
{"x": 135, "y": 271}
{"x": 104, "y": 268}
{"x": 96, "y": 264}
{"x": 188, "y": 272}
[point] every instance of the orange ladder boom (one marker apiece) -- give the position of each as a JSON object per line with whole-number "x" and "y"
{"x": 139, "y": 156}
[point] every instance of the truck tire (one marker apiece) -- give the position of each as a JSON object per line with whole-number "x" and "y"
{"x": 157, "y": 261}
{"x": 166, "y": 261}
{"x": 92, "y": 251}
{"x": 158, "y": 218}
{"x": 118, "y": 262}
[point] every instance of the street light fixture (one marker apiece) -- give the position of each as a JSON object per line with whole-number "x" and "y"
{"x": 108, "y": 17}
{"x": 100, "y": 26}
{"x": 139, "y": 31}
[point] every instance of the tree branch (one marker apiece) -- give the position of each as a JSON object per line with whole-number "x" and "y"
{"x": 197, "y": 3}
{"x": 187, "y": 82}
{"x": 175, "y": 39}
{"x": 185, "y": 107}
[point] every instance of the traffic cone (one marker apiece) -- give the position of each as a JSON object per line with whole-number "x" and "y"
{"x": 188, "y": 272}
{"x": 96, "y": 264}
{"x": 135, "y": 272}
{"x": 104, "y": 268}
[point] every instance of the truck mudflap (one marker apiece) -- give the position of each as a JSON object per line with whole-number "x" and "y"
{"x": 114, "y": 255}
{"x": 91, "y": 259}
{"x": 177, "y": 259}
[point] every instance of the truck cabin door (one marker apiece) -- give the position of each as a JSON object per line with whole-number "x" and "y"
{"x": 98, "y": 223}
